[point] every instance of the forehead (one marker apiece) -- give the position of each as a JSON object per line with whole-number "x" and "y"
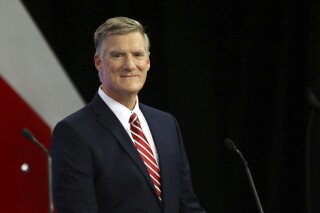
{"x": 130, "y": 41}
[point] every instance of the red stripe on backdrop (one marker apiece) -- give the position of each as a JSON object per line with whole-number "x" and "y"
{"x": 21, "y": 192}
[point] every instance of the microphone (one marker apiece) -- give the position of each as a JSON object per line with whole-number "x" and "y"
{"x": 28, "y": 135}
{"x": 230, "y": 144}
{"x": 313, "y": 99}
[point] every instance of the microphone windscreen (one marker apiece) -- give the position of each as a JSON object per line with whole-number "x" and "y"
{"x": 230, "y": 144}
{"x": 27, "y": 134}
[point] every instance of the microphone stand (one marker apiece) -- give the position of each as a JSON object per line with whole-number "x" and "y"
{"x": 230, "y": 144}
{"x": 27, "y": 134}
{"x": 256, "y": 197}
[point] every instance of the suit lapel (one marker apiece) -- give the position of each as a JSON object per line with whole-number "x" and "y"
{"x": 157, "y": 134}
{"x": 111, "y": 123}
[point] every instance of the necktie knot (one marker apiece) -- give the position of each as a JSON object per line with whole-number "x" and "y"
{"x": 133, "y": 117}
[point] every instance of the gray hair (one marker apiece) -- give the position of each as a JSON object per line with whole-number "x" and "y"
{"x": 119, "y": 25}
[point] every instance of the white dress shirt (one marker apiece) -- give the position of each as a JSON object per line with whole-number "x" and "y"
{"x": 123, "y": 114}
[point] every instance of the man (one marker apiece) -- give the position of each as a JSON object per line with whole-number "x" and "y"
{"x": 117, "y": 155}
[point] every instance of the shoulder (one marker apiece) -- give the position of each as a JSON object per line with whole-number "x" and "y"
{"x": 153, "y": 111}
{"x": 86, "y": 113}
{"x": 77, "y": 116}
{"x": 160, "y": 116}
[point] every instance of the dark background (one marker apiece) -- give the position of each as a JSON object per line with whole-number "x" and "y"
{"x": 237, "y": 69}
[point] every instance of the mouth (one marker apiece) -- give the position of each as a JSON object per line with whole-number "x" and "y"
{"x": 129, "y": 76}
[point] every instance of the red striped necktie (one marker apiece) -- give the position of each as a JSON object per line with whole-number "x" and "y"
{"x": 144, "y": 149}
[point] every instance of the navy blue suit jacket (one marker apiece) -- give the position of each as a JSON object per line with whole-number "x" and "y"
{"x": 97, "y": 169}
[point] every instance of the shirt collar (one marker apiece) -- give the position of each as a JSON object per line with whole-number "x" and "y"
{"x": 122, "y": 112}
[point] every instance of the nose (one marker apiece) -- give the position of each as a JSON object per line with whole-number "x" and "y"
{"x": 129, "y": 64}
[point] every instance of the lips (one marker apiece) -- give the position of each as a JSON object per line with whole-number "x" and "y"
{"x": 129, "y": 76}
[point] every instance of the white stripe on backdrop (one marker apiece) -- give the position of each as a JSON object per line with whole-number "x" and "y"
{"x": 28, "y": 64}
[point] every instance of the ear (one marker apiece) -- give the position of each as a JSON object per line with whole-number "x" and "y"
{"x": 148, "y": 61}
{"x": 97, "y": 61}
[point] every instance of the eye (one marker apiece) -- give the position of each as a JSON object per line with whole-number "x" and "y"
{"x": 139, "y": 54}
{"x": 116, "y": 55}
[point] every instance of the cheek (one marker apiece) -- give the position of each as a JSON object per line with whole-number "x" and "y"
{"x": 108, "y": 71}
{"x": 145, "y": 66}
{"x": 105, "y": 76}
{"x": 111, "y": 75}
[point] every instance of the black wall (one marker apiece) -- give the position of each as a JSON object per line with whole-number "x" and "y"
{"x": 229, "y": 68}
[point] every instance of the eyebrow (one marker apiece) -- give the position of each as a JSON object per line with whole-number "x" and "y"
{"x": 115, "y": 51}
{"x": 123, "y": 52}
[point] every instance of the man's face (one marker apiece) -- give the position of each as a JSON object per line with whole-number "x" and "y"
{"x": 124, "y": 65}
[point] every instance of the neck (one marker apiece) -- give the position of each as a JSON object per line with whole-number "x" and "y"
{"x": 127, "y": 100}
{"x": 130, "y": 104}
